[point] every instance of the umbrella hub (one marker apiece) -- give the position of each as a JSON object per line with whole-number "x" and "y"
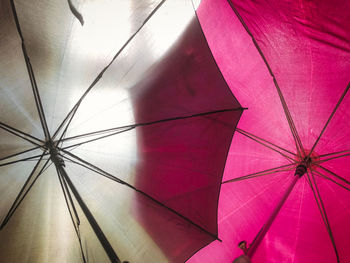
{"x": 305, "y": 162}
{"x": 54, "y": 153}
{"x": 308, "y": 160}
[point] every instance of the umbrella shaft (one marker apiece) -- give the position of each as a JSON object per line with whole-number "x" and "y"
{"x": 256, "y": 242}
{"x": 92, "y": 221}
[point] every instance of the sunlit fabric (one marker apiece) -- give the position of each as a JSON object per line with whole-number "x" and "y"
{"x": 115, "y": 127}
{"x": 306, "y": 48}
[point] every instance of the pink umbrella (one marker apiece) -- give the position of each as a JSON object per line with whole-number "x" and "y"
{"x": 286, "y": 184}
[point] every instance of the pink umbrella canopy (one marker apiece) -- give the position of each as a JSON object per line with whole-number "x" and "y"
{"x": 288, "y": 62}
{"x": 115, "y": 127}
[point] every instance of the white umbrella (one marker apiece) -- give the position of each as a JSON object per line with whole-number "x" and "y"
{"x": 115, "y": 126}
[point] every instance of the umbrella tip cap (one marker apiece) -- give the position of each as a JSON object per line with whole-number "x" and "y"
{"x": 243, "y": 245}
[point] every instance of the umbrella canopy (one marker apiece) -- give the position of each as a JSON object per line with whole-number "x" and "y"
{"x": 288, "y": 62}
{"x": 115, "y": 127}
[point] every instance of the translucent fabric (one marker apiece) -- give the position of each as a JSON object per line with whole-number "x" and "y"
{"x": 132, "y": 106}
{"x": 288, "y": 62}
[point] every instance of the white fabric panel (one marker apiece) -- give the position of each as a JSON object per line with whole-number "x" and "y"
{"x": 17, "y": 105}
{"x": 41, "y": 229}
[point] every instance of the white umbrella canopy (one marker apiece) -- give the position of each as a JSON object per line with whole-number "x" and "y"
{"x": 115, "y": 127}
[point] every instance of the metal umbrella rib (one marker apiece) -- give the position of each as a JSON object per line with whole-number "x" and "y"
{"x": 31, "y": 76}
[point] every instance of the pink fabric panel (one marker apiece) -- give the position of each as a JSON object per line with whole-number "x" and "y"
{"x": 185, "y": 81}
{"x": 181, "y": 163}
{"x": 337, "y": 204}
{"x": 298, "y": 233}
{"x": 307, "y": 46}
{"x": 245, "y": 73}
